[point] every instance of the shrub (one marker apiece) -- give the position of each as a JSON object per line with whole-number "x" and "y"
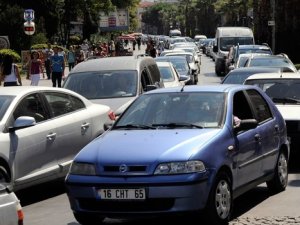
{"x": 15, "y": 55}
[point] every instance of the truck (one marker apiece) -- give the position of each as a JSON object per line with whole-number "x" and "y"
{"x": 227, "y": 37}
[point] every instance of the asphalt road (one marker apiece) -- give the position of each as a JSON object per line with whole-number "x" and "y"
{"x": 47, "y": 204}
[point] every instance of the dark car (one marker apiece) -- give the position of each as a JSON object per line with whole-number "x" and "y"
{"x": 182, "y": 149}
{"x": 235, "y": 51}
{"x": 239, "y": 75}
{"x": 181, "y": 65}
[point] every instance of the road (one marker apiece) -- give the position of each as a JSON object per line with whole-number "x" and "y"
{"x": 47, "y": 204}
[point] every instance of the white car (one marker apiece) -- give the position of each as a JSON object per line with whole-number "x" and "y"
{"x": 169, "y": 74}
{"x": 284, "y": 90}
{"x": 42, "y": 129}
{"x": 10, "y": 208}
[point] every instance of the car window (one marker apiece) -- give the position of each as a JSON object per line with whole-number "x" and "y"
{"x": 31, "y": 106}
{"x": 166, "y": 73}
{"x": 61, "y": 103}
{"x": 241, "y": 107}
{"x": 145, "y": 79}
{"x": 103, "y": 84}
{"x": 5, "y": 101}
{"x": 261, "y": 107}
{"x": 205, "y": 109}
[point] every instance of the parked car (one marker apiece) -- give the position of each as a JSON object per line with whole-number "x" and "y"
{"x": 281, "y": 61}
{"x": 239, "y": 75}
{"x": 177, "y": 150}
{"x": 236, "y": 50}
{"x": 42, "y": 129}
{"x": 114, "y": 81}
{"x": 170, "y": 75}
{"x": 11, "y": 212}
{"x": 284, "y": 90}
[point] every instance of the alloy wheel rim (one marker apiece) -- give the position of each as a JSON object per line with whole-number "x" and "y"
{"x": 223, "y": 199}
{"x": 282, "y": 169}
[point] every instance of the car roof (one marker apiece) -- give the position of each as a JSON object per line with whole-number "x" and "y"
{"x": 166, "y": 58}
{"x": 179, "y": 53}
{"x": 274, "y": 76}
{"x": 110, "y": 63}
{"x": 164, "y": 63}
{"x": 253, "y": 47}
{"x": 20, "y": 90}
{"x": 257, "y": 69}
{"x": 203, "y": 88}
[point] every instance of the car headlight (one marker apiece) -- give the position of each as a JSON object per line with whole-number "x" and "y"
{"x": 180, "y": 167}
{"x": 78, "y": 168}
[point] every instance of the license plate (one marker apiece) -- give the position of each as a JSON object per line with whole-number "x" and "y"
{"x": 123, "y": 194}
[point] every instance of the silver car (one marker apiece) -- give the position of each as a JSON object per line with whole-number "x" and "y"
{"x": 42, "y": 129}
{"x": 10, "y": 208}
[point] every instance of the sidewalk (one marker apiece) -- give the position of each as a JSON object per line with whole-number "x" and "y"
{"x": 48, "y": 83}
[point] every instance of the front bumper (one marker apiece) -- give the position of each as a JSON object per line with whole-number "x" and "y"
{"x": 161, "y": 198}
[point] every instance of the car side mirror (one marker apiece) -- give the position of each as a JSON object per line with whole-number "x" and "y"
{"x": 215, "y": 48}
{"x": 151, "y": 87}
{"x": 246, "y": 124}
{"x": 231, "y": 67}
{"x": 22, "y": 122}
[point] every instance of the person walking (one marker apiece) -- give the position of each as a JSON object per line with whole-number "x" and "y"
{"x": 57, "y": 67}
{"x": 71, "y": 58}
{"x": 10, "y": 72}
{"x": 35, "y": 69}
{"x": 48, "y": 64}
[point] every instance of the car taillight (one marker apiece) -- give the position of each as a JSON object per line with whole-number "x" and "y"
{"x": 20, "y": 214}
{"x": 112, "y": 115}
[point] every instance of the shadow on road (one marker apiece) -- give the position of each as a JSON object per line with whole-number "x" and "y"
{"x": 41, "y": 192}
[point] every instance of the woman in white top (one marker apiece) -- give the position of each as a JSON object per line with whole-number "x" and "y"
{"x": 10, "y": 72}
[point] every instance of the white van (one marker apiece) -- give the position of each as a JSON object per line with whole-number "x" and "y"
{"x": 227, "y": 37}
{"x": 175, "y": 33}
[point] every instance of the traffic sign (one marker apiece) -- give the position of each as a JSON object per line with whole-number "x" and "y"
{"x": 29, "y": 28}
{"x": 271, "y": 23}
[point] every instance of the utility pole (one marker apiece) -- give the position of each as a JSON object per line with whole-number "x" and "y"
{"x": 273, "y": 24}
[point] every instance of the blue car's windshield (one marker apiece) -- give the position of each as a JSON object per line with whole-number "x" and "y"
{"x": 174, "y": 110}
{"x": 5, "y": 101}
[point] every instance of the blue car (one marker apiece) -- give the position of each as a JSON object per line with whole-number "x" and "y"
{"x": 183, "y": 149}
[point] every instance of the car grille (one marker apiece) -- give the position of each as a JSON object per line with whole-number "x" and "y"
{"x": 160, "y": 204}
{"x": 129, "y": 169}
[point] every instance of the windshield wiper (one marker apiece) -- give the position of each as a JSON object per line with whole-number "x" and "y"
{"x": 286, "y": 100}
{"x": 175, "y": 125}
{"x": 134, "y": 126}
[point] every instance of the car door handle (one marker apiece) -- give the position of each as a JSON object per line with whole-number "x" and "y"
{"x": 51, "y": 136}
{"x": 276, "y": 128}
{"x": 257, "y": 137}
{"x": 84, "y": 127}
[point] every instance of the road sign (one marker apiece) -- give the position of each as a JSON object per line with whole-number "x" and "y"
{"x": 29, "y": 28}
{"x": 271, "y": 23}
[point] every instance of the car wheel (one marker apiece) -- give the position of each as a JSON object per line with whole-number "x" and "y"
{"x": 88, "y": 218}
{"x": 4, "y": 175}
{"x": 219, "y": 204}
{"x": 280, "y": 178}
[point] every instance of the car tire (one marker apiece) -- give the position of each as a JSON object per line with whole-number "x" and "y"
{"x": 280, "y": 179}
{"x": 4, "y": 175}
{"x": 220, "y": 203}
{"x": 88, "y": 218}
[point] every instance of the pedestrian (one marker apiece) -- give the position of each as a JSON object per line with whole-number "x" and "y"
{"x": 152, "y": 51}
{"x": 134, "y": 44}
{"x": 48, "y": 64}
{"x": 10, "y": 72}
{"x": 35, "y": 68}
{"x": 138, "y": 40}
{"x": 112, "y": 48}
{"x": 71, "y": 58}
{"x": 57, "y": 67}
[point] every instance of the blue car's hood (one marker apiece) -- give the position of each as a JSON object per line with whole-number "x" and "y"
{"x": 146, "y": 146}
